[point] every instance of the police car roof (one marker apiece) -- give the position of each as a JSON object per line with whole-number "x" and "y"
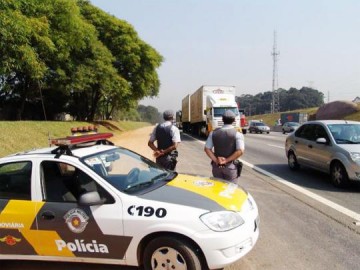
{"x": 77, "y": 151}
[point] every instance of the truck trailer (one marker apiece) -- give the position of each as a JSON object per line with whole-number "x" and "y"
{"x": 205, "y": 108}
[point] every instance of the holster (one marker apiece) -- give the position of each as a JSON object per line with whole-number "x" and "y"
{"x": 239, "y": 166}
{"x": 173, "y": 157}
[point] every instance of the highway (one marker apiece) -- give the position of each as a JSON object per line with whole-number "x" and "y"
{"x": 301, "y": 226}
{"x": 304, "y": 220}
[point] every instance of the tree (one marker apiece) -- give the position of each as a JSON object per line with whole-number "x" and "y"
{"x": 134, "y": 60}
{"x": 65, "y": 55}
{"x": 291, "y": 99}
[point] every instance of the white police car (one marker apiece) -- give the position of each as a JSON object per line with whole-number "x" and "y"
{"x": 86, "y": 200}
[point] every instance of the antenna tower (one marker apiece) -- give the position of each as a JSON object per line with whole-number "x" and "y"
{"x": 275, "y": 103}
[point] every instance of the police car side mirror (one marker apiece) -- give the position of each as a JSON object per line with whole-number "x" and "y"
{"x": 90, "y": 198}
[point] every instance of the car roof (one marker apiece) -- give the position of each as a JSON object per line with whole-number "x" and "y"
{"x": 327, "y": 122}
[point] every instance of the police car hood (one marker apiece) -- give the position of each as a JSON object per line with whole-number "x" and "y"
{"x": 204, "y": 193}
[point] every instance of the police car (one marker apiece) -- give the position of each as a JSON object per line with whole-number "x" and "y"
{"x": 84, "y": 199}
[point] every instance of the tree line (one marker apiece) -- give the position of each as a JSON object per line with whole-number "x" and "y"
{"x": 69, "y": 56}
{"x": 292, "y": 99}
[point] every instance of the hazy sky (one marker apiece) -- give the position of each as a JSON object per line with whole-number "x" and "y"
{"x": 229, "y": 42}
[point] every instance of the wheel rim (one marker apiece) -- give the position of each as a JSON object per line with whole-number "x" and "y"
{"x": 337, "y": 174}
{"x": 167, "y": 258}
{"x": 292, "y": 160}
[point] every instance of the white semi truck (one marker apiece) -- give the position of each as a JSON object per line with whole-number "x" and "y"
{"x": 202, "y": 111}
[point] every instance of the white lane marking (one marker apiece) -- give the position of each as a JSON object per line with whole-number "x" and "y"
{"x": 308, "y": 193}
{"x": 276, "y": 146}
{"x": 335, "y": 206}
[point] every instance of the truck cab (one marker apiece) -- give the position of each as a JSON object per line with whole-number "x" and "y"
{"x": 216, "y": 105}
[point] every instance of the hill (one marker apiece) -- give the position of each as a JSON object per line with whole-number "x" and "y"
{"x": 270, "y": 119}
{"x": 19, "y": 136}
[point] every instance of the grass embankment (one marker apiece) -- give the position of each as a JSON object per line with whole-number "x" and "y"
{"x": 16, "y": 136}
{"x": 270, "y": 119}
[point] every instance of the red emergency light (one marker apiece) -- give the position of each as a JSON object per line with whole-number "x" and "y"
{"x": 72, "y": 140}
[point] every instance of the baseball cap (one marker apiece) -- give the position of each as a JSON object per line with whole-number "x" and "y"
{"x": 229, "y": 114}
{"x": 168, "y": 114}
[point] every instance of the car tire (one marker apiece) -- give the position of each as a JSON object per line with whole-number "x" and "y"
{"x": 170, "y": 253}
{"x": 339, "y": 176}
{"x": 284, "y": 132}
{"x": 292, "y": 161}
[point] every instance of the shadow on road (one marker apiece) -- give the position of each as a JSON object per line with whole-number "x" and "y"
{"x": 308, "y": 178}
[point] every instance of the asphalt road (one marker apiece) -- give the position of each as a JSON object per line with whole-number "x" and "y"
{"x": 296, "y": 231}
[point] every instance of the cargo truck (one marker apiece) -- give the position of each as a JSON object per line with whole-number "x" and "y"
{"x": 185, "y": 114}
{"x": 178, "y": 121}
{"x": 202, "y": 111}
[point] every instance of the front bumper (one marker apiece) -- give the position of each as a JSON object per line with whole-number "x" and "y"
{"x": 224, "y": 248}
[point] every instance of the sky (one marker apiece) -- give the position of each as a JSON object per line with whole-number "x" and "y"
{"x": 230, "y": 42}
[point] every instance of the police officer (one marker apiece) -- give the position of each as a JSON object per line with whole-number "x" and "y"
{"x": 224, "y": 146}
{"x": 167, "y": 137}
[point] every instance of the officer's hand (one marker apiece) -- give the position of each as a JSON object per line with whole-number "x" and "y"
{"x": 221, "y": 160}
{"x": 158, "y": 153}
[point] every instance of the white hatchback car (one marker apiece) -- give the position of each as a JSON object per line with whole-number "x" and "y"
{"x": 86, "y": 200}
{"x": 331, "y": 146}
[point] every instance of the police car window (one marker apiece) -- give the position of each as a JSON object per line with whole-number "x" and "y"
{"x": 63, "y": 182}
{"x": 15, "y": 180}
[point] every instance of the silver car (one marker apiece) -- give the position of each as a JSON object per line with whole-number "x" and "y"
{"x": 258, "y": 127}
{"x": 331, "y": 146}
{"x": 290, "y": 127}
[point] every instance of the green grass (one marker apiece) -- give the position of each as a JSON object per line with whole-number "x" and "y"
{"x": 16, "y": 136}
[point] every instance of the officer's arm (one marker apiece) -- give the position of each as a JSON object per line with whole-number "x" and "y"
{"x": 210, "y": 154}
{"x": 170, "y": 148}
{"x": 152, "y": 146}
{"x": 234, "y": 156}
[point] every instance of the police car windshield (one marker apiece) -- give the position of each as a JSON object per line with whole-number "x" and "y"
{"x": 126, "y": 170}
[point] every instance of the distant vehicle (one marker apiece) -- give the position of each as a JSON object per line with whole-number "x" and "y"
{"x": 290, "y": 127}
{"x": 84, "y": 199}
{"x": 243, "y": 122}
{"x": 293, "y": 117}
{"x": 258, "y": 127}
{"x": 331, "y": 146}
{"x": 202, "y": 110}
{"x": 178, "y": 121}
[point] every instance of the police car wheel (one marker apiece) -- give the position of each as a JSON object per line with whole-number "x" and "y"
{"x": 170, "y": 253}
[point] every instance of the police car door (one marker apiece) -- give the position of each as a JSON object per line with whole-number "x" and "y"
{"x": 17, "y": 210}
{"x": 71, "y": 228}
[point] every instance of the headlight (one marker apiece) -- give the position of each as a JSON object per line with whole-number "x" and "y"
{"x": 222, "y": 221}
{"x": 355, "y": 156}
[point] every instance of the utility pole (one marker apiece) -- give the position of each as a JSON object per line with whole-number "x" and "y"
{"x": 275, "y": 104}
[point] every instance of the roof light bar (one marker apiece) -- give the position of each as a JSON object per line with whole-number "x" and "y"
{"x": 78, "y": 139}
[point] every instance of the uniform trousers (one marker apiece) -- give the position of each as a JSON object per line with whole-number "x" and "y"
{"x": 226, "y": 172}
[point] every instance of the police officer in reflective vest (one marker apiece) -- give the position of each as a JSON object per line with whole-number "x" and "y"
{"x": 167, "y": 137}
{"x": 224, "y": 146}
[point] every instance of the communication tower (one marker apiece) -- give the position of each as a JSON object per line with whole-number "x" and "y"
{"x": 275, "y": 103}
